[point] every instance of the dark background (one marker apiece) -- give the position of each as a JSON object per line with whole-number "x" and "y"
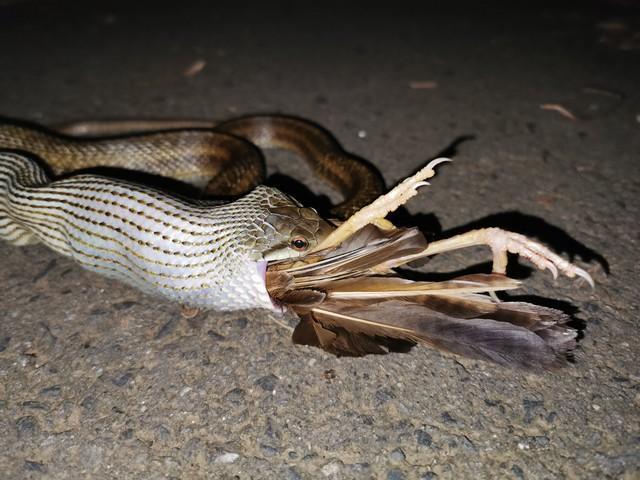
{"x": 100, "y": 381}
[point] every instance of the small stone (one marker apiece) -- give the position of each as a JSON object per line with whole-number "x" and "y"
{"x": 447, "y": 418}
{"x": 268, "y": 450}
{"x": 360, "y": 467}
{"x": 310, "y": 456}
{"x": 27, "y": 427}
{"x": 270, "y": 431}
{"x": 227, "y": 457}
{"x": 292, "y": 474}
{"x": 4, "y": 343}
{"x": 395, "y": 475}
{"x": 615, "y": 467}
{"x": 171, "y": 463}
{"x": 539, "y": 441}
{"x": 382, "y": 396}
{"x": 91, "y": 456}
{"x": 239, "y": 323}
{"x": 517, "y": 471}
{"x": 596, "y": 407}
{"x": 235, "y": 396}
{"x": 191, "y": 355}
{"x": 162, "y": 432}
{"x": 122, "y": 380}
{"x": 423, "y": 438}
{"x": 35, "y": 466}
{"x": 34, "y": 405}
{"x": 531, "y": 408}
{"x": 89, "y": 403}
{"x": 216, "y": 337}
{"x": 367, "y": 419}
{"x": 126, "y": 305}
{"x": 331, "y": 468}
{"x": 267, "y": 383}
{"x": 52, "y": 391}
{"x": 141, "y": 460}
{"x": 397, "y": 455}
{"x": 362, "y": 134}
{"x": 191, "y": 448}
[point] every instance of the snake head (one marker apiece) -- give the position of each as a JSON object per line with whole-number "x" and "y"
{"x": 291, "y": 230}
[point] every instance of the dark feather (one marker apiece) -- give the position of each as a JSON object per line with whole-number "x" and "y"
{"x": 481, "y": 338}
{"x": 302, "y": 300}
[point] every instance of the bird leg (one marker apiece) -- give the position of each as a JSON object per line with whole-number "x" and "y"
{"x": 502, "y": 242}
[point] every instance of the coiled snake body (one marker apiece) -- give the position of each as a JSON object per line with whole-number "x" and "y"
{"x": 200, "y": 253}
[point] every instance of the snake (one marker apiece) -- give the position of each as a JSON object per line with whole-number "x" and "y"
{"x": 199, "y": 251}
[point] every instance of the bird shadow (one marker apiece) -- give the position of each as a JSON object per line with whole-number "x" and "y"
{"x": 535, "y": 227}
{"x": 530, "y": 226}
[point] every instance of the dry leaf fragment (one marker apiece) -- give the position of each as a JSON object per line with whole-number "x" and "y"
{"x": 558, "y": 108}
{"x": 195, "y": 68}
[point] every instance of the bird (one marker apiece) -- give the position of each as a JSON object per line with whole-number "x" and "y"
{"x": 352, "y": 301}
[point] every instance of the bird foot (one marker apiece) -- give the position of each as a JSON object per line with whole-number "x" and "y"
{"x": 502, "y": 242}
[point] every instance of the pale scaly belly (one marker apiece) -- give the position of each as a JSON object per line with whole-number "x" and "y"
{"x": 194, "y": 254}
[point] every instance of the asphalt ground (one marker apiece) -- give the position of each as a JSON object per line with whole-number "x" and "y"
{"x": 539, "y": 106}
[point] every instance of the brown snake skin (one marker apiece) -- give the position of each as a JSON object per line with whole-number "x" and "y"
{"x": 222, "y": 158}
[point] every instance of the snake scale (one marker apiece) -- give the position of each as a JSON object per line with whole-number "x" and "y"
{"x": 201, "y": 253}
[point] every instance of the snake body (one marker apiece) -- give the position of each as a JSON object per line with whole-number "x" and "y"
{"x": 200, "y": 253}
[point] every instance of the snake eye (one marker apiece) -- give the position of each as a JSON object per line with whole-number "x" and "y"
{"x": 299, "y": 243}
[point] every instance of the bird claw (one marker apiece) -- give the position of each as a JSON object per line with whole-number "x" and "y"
{"x": 502, "y": 241}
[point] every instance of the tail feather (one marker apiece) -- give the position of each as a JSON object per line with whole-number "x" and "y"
{"x": 502, "y": 342}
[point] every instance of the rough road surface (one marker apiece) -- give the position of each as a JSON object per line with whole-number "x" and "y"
{"x": 100, "y": 381}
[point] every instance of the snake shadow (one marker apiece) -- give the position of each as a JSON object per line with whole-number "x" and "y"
{"x": 532, "y": 226}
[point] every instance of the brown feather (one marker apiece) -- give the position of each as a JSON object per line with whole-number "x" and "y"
{"x": 480, "y": 338}
{"x": 309, "y": 332}
{"x": 302, "y": 300}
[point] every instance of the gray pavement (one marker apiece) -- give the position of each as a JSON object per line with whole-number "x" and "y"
{"x": 100, "y": 381}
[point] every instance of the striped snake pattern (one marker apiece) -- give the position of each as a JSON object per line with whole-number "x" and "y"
{"x": 199, "y": 253}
